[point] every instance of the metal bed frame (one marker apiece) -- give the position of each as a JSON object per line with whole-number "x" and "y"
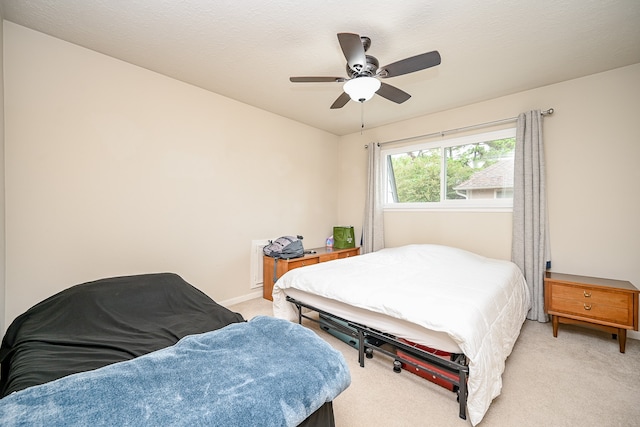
{"x": 457, "y": 365}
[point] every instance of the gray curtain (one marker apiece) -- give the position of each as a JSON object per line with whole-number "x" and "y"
{"x": 530, "y": 244}
{"x": 373, "y": 227}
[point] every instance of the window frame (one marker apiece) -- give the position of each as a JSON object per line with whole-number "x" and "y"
{"x": 478, "y": 205}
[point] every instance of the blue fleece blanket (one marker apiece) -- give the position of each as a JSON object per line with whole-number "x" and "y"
{"x": 265, "y": 372}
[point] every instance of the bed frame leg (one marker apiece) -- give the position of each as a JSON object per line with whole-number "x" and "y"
{"x": 462, "y": 394}
{"x": 361, "y": 347}
{"x": 299, "y": 307}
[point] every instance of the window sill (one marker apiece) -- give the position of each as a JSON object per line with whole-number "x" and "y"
{"x": 448, "y": 207}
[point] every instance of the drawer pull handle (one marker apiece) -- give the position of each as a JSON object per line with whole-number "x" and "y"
{"x": 587, "y": 307}
{"x": 586, "y": 294}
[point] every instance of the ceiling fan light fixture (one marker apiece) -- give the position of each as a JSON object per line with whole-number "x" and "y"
{"x": 362, "y": 89}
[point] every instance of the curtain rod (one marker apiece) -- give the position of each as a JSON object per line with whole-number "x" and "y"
{"x": 462, "y": 129}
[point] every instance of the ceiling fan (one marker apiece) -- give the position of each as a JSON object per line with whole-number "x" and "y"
{"x": 364, "y": 72}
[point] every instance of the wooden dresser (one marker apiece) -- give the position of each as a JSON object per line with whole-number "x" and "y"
{"x": 284, "y": 265}
{"x": 609, "y": 305}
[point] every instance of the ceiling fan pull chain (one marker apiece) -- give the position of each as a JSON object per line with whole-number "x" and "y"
{"x": 361, "y": 116}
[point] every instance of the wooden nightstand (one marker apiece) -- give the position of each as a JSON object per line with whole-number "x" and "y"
{"x": 284, "y": 265}
{"x": 606, "y": 304}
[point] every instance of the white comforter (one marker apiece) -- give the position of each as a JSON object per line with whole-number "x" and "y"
{"x": 481, "y": 303}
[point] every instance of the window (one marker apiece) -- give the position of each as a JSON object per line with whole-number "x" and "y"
{"x": 460, "y": 173}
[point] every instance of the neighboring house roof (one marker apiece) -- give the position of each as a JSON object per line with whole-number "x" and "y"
{"x": 498, "y": 175}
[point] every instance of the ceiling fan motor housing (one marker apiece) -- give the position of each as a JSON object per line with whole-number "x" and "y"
{"x": 369, "y": 69}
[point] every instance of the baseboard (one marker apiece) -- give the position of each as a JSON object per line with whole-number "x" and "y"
{"x": 243, "y": 298}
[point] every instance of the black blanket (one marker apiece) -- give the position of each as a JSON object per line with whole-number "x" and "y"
{"x": 99, "y": 323}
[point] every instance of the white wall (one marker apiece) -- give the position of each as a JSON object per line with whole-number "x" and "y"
{"x": 592, "y": 154}
{"x": 112, "y": 170}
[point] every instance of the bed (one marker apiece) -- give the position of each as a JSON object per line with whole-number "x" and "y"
{"x": 154, "y": 350}
{"x": 432, "y": 295}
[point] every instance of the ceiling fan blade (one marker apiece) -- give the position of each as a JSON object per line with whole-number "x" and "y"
{"x": 410, "y": 65}
{"x": 316, "y": 79}
{"x": 341, "y": 101}
{"x": 353, "y": 50}
{"x": 392, "y": 93}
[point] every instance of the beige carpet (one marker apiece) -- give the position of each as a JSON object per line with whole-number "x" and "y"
{"x": 577, "y": 379}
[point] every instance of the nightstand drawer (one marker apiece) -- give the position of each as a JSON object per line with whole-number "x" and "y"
{"x": 349, "y": 253}
{"x": 329, "y": 257}
{"x": 585, "y": 293}
{"x": 618, "y": 314}
{"x": 303, "y": 262}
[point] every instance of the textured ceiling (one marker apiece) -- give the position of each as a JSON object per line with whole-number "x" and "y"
{"x": 246, "y": 50}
